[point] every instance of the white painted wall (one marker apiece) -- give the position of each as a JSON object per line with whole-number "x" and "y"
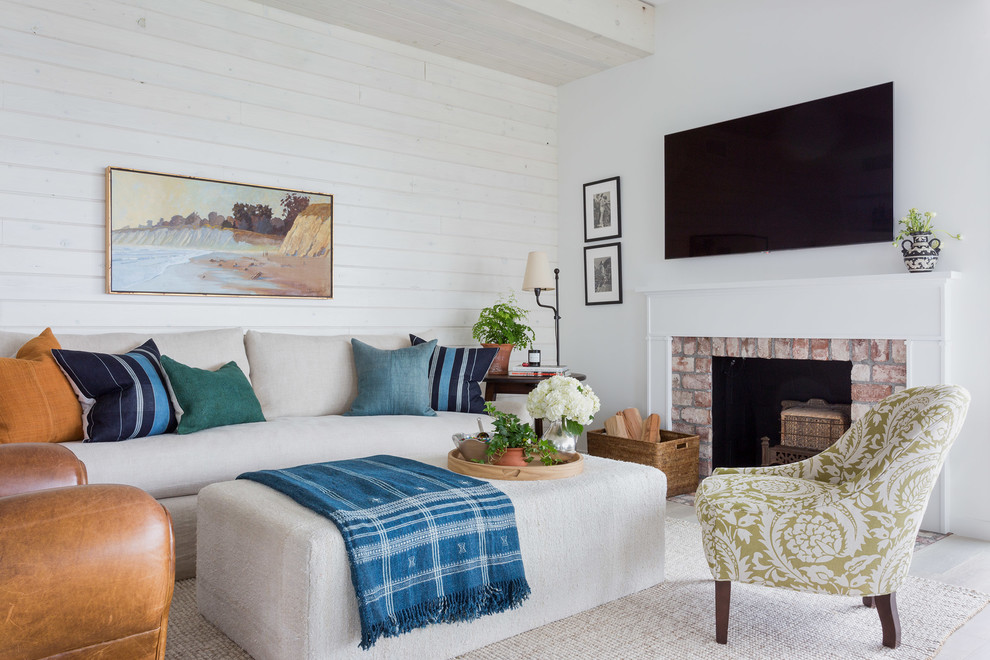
{"x": 444, "y": 173}
{"x": 720, "y": 59}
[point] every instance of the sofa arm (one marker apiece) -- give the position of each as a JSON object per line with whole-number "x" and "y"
{"x": 86, "y": 567}
{"x": 29, "y": 466}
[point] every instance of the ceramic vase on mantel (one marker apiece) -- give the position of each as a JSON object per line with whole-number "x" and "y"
{"x": 920, "y": 252}
{"x": 566, "y": 443}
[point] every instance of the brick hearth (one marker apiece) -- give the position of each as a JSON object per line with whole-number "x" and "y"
{"x": 879, "y": 368}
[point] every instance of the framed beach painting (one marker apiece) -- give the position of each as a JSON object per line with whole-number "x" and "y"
{"x": 602, "y": 213}
{"x": 182, "y": 235}
{"x": 602, "y": 274}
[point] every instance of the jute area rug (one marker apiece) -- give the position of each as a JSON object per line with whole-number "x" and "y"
{"x": 676, "y": 620}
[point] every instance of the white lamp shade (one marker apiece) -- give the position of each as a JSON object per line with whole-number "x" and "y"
{"x": 538, "y": 273}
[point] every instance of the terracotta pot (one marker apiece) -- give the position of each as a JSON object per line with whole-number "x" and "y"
{"x": 500, "y": 365}
{"x": 513, "y": 456}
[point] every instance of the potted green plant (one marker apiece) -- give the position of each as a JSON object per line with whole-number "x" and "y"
{"x": 514, "y": 441}
{"x": 919, "y": 246}
{"x": 501, "y": 326}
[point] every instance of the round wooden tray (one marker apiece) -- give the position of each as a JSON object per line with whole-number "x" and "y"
{"x": 573, "y": 464}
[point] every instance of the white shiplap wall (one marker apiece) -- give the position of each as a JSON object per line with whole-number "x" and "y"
{"x": 444, "y": 174}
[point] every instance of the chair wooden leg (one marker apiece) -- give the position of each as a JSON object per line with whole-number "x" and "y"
{"x": 885, "y": 605}
{"x": 889, "y": 621}
{"x": 723, "y": 589}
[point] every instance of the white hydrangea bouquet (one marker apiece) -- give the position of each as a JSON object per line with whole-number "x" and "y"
{"x": 564, "y": 399}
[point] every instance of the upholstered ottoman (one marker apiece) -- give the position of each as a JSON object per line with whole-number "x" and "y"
{"x": 274, "y": 576}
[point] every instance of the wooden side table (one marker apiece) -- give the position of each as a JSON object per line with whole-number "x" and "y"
{"x": 496, "y": 384}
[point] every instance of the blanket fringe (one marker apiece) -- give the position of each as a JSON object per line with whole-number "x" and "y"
{"x": 463, "y": 606}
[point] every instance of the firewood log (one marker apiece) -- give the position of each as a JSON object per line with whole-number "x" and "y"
{"x": 634, "y": 422}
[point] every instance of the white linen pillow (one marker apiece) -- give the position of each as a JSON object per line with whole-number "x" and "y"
{"x": 307, "y": 375}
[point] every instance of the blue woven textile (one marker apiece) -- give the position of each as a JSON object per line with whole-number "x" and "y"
{"x": 425, "y": 545}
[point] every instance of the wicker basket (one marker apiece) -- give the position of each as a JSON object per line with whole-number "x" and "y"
{"x": 676, "y": 454}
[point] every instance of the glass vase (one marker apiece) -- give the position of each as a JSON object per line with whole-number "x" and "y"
{"x": 565, "y": 442}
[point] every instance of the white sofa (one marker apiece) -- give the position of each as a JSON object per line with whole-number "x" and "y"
{"x": 303, "y": 383}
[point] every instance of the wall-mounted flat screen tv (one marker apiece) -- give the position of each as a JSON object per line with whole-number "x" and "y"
{"x": 814, "y": 174}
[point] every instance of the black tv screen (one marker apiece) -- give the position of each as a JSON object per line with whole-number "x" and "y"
{"x": 814, "y": 174}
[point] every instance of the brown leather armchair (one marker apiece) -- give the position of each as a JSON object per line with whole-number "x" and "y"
{"x": 85, "y": 570}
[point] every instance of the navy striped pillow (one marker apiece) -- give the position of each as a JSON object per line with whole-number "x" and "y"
{"x": 122, "y": 396}
{"x": 456, "y": 375}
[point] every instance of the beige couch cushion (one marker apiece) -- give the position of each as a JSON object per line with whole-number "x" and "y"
{"x": 305, "y": 375}
{"x": 203, "y": 349}
{"x": 173, "y": 465}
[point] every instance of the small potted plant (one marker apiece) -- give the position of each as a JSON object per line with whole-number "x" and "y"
{"x": 919, "y": 246}
{"x": 501, "y": 326}
{"x": 515, "y": 443}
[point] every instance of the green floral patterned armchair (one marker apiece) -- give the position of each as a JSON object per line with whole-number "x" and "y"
{"x": 842, "y": 522}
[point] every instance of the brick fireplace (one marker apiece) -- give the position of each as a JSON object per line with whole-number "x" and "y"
{"x": 823, "y": 316}
{"x": 879, "y": 368}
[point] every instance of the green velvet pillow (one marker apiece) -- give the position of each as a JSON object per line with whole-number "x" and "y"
{"x": 392, "y": 382}
{"x": 211, "y": 398}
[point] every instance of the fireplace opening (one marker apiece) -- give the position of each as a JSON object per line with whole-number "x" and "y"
{"x": 747, "y": 395}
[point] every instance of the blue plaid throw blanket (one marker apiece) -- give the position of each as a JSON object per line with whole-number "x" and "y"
{"x": 425, "y": 545}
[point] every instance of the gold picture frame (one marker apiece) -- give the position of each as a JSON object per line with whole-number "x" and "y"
{"x": 170, "y": 234}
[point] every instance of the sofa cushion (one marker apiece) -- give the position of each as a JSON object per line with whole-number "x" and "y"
{"x": 211, "y": 398}
{"x": 392, "y": 382}
{"x": 456, "y": 375}
{"x": 122, "y": 396}
{"x": 325, "y": 364}
{"x": 205, "y": 349}
{"x": 175, "y": 465}
{"x": 37, "y": 403}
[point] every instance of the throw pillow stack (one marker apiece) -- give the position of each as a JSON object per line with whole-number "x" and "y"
{"x": 419, "y": 380}
{"x": 55, "y": 395}
{"x": 51, "y": 394}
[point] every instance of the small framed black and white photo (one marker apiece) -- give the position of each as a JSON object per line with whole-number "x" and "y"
{"x": 601, "y": 210}
{"x": 602, "y": 274}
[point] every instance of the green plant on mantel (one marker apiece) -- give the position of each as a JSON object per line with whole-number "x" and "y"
{"x": 918, "y": 222}
{"x": 511, "y": 432}
{"x": 502, "y": 323}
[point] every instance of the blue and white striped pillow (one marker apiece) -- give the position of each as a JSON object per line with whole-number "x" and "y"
{"x": 122, "y": 396}
{"x": 456, "y": 375}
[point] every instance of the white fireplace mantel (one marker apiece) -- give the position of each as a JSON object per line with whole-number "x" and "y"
{"x": 909, "y": 306}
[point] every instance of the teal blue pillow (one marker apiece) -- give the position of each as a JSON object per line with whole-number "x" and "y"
{"x": 392, "y": 382}
{"x": 211, "y": 398}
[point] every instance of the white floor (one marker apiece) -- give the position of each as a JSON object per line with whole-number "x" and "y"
{"x": 965, "y": 562}
{"x": 954, "y": 560}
